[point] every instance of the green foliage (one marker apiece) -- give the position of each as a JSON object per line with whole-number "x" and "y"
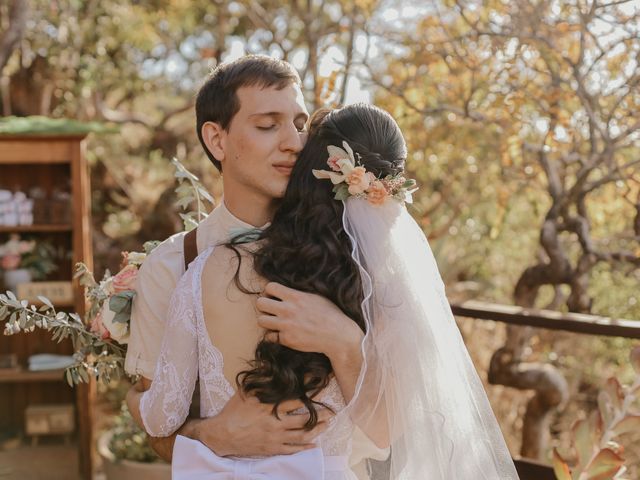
{"x": 128, "y": 441}
{"x": 93, "y": 356}
{"x": 42, "y": 260}
{"x": 190, "y": 191}
{"x": 121, "y": 303}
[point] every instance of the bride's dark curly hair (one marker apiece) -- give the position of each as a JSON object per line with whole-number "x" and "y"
{"x": 307, "y": 248}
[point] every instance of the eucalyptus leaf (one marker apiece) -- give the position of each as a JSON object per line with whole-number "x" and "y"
{"x": 46, "y": 301}
{"x": 69, "y": 376}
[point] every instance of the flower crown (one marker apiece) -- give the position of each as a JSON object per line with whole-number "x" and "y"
{"x": 350, "y": 179}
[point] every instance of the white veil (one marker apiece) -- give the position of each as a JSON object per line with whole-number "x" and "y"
{"x": 417, "y": 378}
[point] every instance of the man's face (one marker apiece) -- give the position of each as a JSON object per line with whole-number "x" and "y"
{"x": 263, "y": 141}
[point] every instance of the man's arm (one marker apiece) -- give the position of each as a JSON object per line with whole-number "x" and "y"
{"x": 244, "y": 427}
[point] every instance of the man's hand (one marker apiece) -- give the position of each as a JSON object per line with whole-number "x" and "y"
{"x": 307, "y": 322}
{"x": 246, "y": 427}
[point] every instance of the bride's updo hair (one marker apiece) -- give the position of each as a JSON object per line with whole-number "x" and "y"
{"x": 306, "y": 247}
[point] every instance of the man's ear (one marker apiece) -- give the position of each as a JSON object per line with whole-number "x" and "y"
{"x": 214, "y": 136}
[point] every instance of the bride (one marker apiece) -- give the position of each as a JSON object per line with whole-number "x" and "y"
{"x": 342, "y": 231}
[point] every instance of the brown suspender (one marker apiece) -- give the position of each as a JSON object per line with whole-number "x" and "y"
{"x": 190, "y": 248}
{"x": 190, "y": 253}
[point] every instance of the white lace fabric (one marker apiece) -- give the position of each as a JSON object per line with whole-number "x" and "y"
{"x": 187, "y": 354}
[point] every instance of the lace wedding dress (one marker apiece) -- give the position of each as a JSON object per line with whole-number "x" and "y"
{"x": 188, "y": 354}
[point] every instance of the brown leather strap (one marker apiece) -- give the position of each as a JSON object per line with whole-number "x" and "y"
{"x": 190, "y": 248}
{"x": 194, "y": 408}
{"x": 190, "y": 253}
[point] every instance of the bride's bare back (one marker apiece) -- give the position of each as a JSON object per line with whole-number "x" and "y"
{"x": 229, "y": 314}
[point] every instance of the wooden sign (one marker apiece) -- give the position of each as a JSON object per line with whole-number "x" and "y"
{"x": 60, "y": 293}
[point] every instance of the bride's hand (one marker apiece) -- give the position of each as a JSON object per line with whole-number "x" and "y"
{"x": 245, "y": 427}
{"x": 307, "y": 322}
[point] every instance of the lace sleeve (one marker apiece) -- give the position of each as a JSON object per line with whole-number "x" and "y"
{"x": 165, "y": 406}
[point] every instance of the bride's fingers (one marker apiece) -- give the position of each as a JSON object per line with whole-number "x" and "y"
{"x": 269, "y": 305}
{"x": 272, "y": 336}
{"x": 269, "y": 322}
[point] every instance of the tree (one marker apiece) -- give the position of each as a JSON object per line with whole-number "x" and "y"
{"x": 139, "y": 65}
{"x": 552, "y": 88}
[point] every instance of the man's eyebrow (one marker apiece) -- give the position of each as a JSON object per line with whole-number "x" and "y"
{"x": 266, "y": 114}
{"x": 278, "y": 114}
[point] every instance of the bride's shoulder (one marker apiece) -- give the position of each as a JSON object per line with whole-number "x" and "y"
{"x": 224, "y": 261}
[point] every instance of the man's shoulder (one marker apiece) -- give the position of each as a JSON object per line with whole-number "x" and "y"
{"x": 168, "y": 254}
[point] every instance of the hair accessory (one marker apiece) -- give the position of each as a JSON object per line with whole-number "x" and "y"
{"x": 350, "y": 179}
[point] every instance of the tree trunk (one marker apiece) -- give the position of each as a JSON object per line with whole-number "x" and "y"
{"x": 508, "y": 364}
{"x": 18, "y": 13}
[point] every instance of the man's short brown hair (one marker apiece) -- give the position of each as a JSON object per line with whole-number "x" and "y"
{"x": 218, "y": 101}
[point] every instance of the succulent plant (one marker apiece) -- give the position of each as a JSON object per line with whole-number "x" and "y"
{"x": 598, "y": 455}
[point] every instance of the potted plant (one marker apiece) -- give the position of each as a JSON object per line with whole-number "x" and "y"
{"x": 22, "y": 261}
{"x": 126, "y": 454}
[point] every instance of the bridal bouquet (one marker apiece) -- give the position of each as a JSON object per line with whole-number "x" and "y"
{"x": 99, "y": 340}
{"x": 110, "y": 299}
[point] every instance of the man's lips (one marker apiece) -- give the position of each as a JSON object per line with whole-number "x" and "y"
{"x": 284, "y": 168}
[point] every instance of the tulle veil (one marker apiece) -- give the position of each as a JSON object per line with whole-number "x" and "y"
{"x": 418, "y": 388}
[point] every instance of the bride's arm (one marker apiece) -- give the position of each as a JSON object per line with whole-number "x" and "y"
{"x": 165, "y": 405}
{"x": 311, "y": 323}
{"x": 370, "y": 405}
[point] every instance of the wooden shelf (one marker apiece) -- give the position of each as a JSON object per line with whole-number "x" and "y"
{"x": 53, "y": 228}
{"x": 50, "y": 162}
{"x": 26, "y": 376}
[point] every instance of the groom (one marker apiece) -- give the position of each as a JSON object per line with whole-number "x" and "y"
{"x": 251, "y": 121}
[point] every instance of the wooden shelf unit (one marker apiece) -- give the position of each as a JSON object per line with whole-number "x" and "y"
{"x": 36, "y": 228}
{"x": 26, "y": 376}
{"x": 49, "y": 162}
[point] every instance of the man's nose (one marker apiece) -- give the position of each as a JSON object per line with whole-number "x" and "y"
{"x": 293, "y": 140}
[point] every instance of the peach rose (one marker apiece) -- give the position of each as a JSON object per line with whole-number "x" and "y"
{"x": 358, "y": 180}
{"x": 125, "y": 279}
{"x": 377, "y": 193}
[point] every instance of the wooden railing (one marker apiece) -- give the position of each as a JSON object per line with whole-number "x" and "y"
{"x": 548, "y": 319}
{"x": 569, "y": 322}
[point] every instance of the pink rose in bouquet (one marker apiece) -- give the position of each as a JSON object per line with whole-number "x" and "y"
{"x": 125, "y": 279}
{"x": 97, "y": 327}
